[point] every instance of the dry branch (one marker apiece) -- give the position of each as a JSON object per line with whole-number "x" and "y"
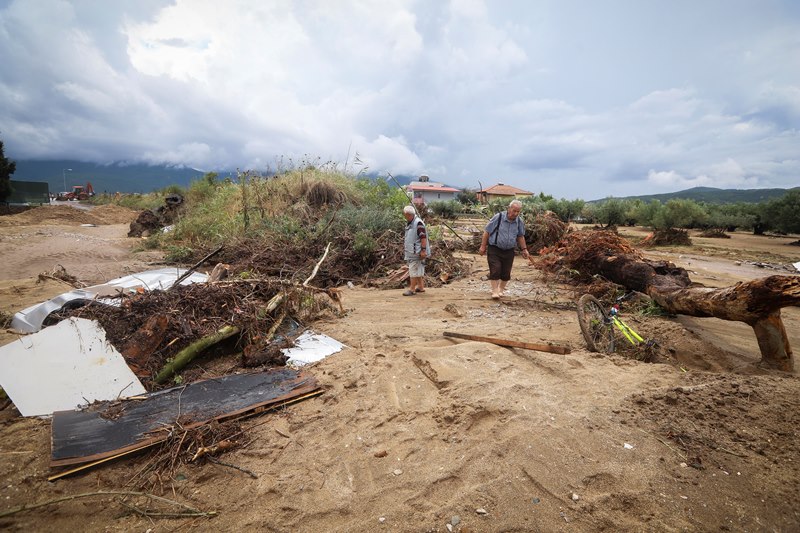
{"x": 190, "y": 511}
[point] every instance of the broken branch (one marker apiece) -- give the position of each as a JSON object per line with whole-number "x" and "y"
{"x": 316, "y": 267}
{"x": 26, "y": 507}
{"x": 551, "y": 348}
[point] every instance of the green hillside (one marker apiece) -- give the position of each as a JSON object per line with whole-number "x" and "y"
{"x": 713, "y": 195}
{"x": 120, "y": 177}
{"x": 116, "y": 177}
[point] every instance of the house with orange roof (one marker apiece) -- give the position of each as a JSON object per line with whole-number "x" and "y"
{"x": 501, "y": 191}
{"x": 424, "y": 191}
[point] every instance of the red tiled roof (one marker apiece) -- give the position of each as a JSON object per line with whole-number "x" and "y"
{"x": 504, "y": 190}
{"x": 437, "y": 188}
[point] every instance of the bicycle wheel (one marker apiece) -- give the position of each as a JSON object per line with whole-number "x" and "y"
{"x": 595, "y": 325}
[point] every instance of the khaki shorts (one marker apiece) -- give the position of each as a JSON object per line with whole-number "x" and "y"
{"x": 416, "y": 268}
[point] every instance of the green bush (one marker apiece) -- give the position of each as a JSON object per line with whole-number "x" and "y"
{"x": 373, "y": 219}
{"x": 364, "y": 244}
{"x": 680, "y": 214}
{"x": 381, "y": 194}
{"x": 178, "y": 254}
{"x": 447, "y": 209}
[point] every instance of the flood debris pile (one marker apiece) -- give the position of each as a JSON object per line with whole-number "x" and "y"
{"x": 671, "y": 237}
{"x": 356, "y": 259}
{"x": 575, "y": 255}
{"x": 59, "y": 273}
{"x": 546, "y": 229}
{"x": 152, "y": 220}
{"x": 715, "y": 233}
{"x": 254, "y": 318}
{"x": 757, "y": 303}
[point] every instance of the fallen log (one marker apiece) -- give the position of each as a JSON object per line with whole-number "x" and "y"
{"x": 757, "y": 303}
{"x": 551, "y": 348}
{"x": 186, "y": 355}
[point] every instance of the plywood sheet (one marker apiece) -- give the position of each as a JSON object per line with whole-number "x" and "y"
{"x": 116, "y": 428}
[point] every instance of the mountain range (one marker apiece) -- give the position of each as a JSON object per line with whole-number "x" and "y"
{"x": 115, "y": 177}
{"x": 122, "y": 177}
{"x": 138, "y": 177}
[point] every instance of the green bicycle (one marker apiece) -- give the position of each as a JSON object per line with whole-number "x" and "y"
{"x": 598, "y": 325}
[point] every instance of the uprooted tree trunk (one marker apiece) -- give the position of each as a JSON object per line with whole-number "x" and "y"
{"x": 757, "y": 303}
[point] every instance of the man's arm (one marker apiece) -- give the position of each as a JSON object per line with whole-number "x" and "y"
{"x": 423, "y": 241}
{"x": 484, "y": 242}
{"x": 521, "y": 243}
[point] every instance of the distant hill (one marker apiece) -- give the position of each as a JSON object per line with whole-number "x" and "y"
{"x": 122, "y": 177}
{"x": 115, "y": 177}
{"x": 713, "y": 195}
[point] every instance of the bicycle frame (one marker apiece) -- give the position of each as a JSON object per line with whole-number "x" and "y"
{"x": 627, "y": 332}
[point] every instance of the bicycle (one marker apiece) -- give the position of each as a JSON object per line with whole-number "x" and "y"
{"x": 598, "y": 325}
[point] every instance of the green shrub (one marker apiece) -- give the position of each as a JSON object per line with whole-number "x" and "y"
{"x": 372, "y": 219}
{"x": 364, "y": 244}
{"x": 178, "y": 254}
{"x": 446, "y": 209}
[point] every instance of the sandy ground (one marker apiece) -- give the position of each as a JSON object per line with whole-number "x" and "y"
{"x": 419, "y": 432}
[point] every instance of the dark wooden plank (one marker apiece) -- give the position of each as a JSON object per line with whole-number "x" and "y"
{"x": 98, "y": 433}
{"x": 552, "y": 348}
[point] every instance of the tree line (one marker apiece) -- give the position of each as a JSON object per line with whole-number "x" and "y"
{"x": 781, "y": 215}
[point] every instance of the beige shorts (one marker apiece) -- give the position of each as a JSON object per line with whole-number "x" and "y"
{"x": 416, "y": 268}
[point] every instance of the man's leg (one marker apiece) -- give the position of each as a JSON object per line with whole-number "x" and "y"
{"x": 495, "y": 268}
{"x": 415, "y": 271}
{"x": 505, "y": 270}
{"x": 495, "y": 283}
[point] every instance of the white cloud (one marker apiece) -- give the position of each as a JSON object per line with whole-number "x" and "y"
{"x": 673, "y": 180}
{"x": 383, "y": 154}
{"x": 526, "y": 93}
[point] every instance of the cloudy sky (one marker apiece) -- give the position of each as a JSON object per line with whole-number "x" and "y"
{"x": 576, "y": 98}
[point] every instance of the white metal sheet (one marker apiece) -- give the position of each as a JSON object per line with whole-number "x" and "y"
{"x": 30, "y": 320}
{"x": 64, "y": 366}
{"x": 311, "y": 347}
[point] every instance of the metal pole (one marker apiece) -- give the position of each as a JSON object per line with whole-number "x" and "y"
{"x": 64, "y": 175}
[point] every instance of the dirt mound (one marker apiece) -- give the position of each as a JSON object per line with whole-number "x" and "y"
{"x": 113, "y": 214}
{"x": 739, "y": 429}
{"x": 70, "y": 216}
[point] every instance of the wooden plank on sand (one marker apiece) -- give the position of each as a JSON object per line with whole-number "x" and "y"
{"x": 551, "y": 348}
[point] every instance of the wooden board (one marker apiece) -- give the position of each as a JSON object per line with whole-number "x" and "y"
{"x": 552, "y": 348}
{"x": 113, "y": 429}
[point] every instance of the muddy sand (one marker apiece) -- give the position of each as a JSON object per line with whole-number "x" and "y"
{"x": 419, "y": 432}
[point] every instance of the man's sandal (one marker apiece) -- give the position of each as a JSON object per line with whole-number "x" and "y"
{"x": 408, "y": 293}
